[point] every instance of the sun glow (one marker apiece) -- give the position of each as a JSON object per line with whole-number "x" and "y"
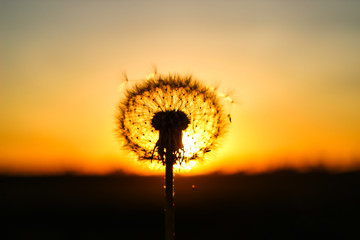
{"x": 191, "y": 147}
{"x": 189, "y": 142}
{"x": 179, "y": 167}
{"x": 185, "y": 166}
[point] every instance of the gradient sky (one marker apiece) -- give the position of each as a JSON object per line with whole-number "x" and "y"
{"x": 291, "y": 66}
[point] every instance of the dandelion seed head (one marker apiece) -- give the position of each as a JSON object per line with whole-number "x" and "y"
{"x": 171, "y": 102}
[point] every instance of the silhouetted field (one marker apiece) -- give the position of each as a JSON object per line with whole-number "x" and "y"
{"x": 282, "y": 204}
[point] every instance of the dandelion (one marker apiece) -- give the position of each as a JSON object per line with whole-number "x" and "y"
{"x": 171, "y": 119}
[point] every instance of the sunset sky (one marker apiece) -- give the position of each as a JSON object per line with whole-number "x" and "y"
{"x": 292, "y": 67}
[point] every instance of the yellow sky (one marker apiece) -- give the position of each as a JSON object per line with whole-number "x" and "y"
{"x": 292, "y": 68}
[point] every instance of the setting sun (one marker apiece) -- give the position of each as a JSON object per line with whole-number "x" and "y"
{"x": 191, "y": 144}
{"x": 190, "y": 149}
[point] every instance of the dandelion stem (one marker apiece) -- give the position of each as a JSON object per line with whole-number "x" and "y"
{"x": 169, "y": 197}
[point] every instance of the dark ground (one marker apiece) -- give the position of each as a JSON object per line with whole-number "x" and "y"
{"x": 277, "y": 205}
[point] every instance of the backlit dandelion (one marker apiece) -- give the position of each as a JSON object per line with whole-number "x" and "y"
{"x": 171, "y": 120}
{"x": 172, "y": 98}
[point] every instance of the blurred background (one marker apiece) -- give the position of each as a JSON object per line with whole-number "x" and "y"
{"x": 291, "y": 68}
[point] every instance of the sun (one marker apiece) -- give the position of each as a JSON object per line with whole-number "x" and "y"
{"x": 190, "y": 144}
{"x": 191, "y": 148}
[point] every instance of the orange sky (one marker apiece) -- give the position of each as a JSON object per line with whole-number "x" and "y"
{"x": 292, "y": 68}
